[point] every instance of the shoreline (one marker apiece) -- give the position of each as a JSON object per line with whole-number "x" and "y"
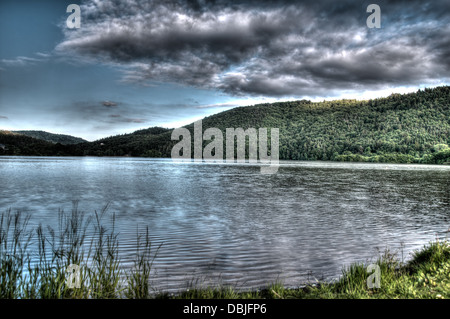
{"x": 425, "y": 276}
{"x": 101, "y": 276}
{"x": 225, "y": 161}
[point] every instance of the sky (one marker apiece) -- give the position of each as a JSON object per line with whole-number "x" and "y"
{"x": 135, "y": 64}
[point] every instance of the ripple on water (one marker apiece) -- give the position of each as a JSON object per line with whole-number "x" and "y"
{"x": 229, "y": 224}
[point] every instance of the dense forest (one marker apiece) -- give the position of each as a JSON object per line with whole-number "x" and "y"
{"x": 12, "y": 143}
{"x": 408, "y": 128}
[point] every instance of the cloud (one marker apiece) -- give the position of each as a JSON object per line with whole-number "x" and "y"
{"x": 25, "y": 61}
{"x": 268, "y": 48}
{"x": 95, "y": 115}
{"x": 217, "y": 105}
{"x": 93, "y": 110}
{"x": 116, "y": 118}
{"x": 238, "y": 102}
{"x": 43, "y": 55}
{"x": 19, "y": 61}
{"x": 109, "y": 104}
{"x": 3, "y": 117}
{"x": 136, "y": 120}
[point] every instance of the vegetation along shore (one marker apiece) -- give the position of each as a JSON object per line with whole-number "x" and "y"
{"x": 34, "y": 262}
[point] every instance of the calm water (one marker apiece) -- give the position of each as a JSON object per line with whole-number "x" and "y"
{"x": 227, "y": 223}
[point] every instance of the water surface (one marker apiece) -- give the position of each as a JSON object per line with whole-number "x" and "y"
{"x": 228, "y": 224}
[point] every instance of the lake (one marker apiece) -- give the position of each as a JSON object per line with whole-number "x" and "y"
{"x": 229, "y": 224}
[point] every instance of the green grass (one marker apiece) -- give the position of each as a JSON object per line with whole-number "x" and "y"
{"x": 34, "y": 261}
{"x": 425, "y": 276}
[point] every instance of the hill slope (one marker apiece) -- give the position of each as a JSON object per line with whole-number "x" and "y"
{"x": 12, "y": 143}
{"x": 405, "y": 128}
{"x": 53, "y": 138}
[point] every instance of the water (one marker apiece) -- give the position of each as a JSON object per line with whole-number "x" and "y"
{"x": 228, "y": 224}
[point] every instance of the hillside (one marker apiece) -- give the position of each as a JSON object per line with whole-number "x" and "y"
{"x": 12, "y": 143}
{"x": 409, "y": 128}
{"x": 151, "y": 142}
{"x": 405, "y": 128}
{"x": 53, "y": 138}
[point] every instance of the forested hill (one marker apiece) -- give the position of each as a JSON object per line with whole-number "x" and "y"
{"x": 400, "y": 128}
{"x": 405, "y": 128}
{"x": 12, "y": 143}
{"x": 53, "y": 138}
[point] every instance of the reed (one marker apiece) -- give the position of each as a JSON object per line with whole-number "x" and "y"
{"x": 34, "y": 262}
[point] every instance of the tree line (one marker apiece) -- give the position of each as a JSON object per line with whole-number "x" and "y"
{"x": 408, "y": 128}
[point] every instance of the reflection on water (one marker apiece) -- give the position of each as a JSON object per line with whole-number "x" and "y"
{"x": 227, "y": 223}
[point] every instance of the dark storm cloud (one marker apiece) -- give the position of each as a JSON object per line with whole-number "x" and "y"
{"x": 269, "y": 48}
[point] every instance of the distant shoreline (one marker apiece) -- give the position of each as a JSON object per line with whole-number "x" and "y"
{"x": 208, "y": 161}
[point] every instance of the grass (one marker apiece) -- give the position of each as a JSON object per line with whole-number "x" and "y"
{"x": 34, "y": 264}
{"x": 425, "y": 276}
